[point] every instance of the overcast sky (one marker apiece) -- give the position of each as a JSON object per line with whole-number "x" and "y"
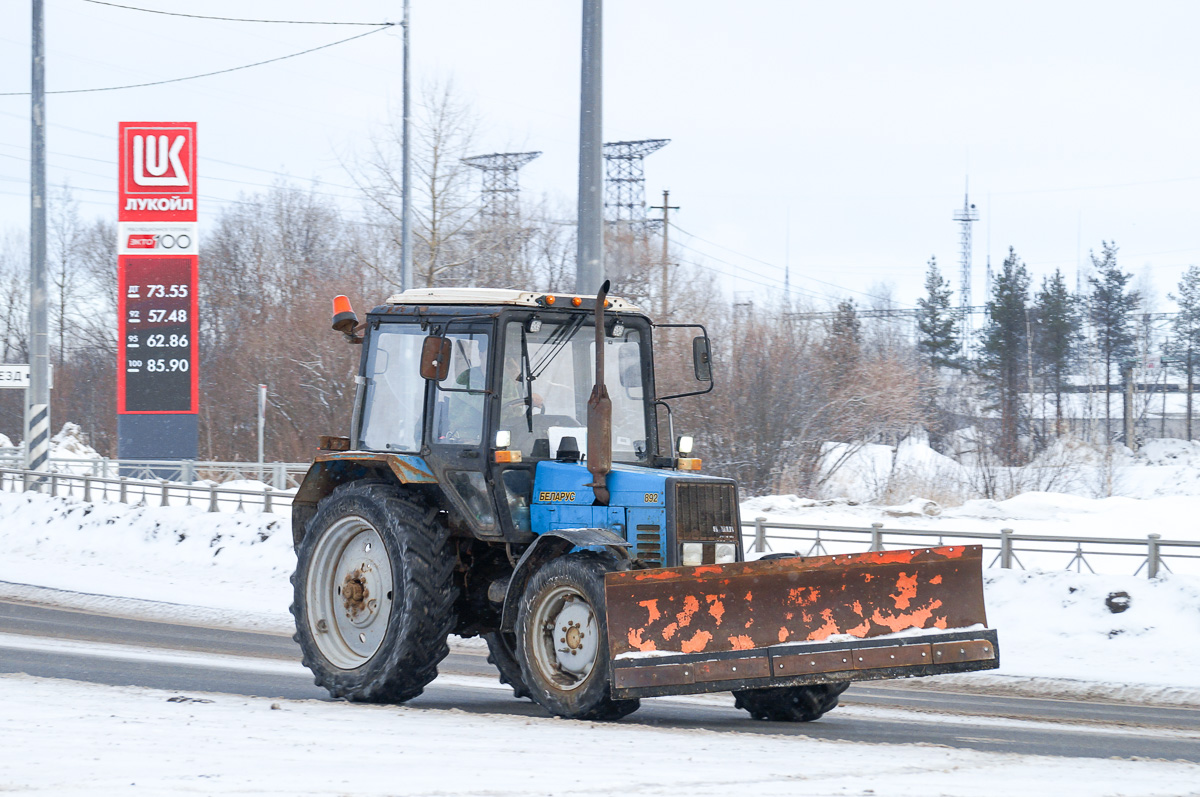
{"x": 834, "y": 136}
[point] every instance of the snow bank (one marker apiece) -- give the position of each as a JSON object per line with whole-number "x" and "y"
{"x": 1059, "y": 514}
{"x": 1057, "y": 625}
{"x": 236, "y": 562}
{"x": 68, "y": 443}
{"x": 192, "y": 564}
{"x": 892, "y": 474}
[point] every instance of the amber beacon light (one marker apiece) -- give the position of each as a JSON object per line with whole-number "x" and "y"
{"x": 344, "y": 319}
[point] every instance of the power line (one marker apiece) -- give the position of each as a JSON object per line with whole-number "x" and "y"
{"x": 203, "y": 158}
{"x": 237, "y": 19}
{"x": 741, "y": 275}
{"x": 206, "y": 74}
{"x": 773, "y": 265}
{"x": 206, "y": 177}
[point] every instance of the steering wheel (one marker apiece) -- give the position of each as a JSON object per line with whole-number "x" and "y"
{"x": 538, "y": 408}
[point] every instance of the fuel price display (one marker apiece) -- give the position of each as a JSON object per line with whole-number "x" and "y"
{"x": 157, "y": 335}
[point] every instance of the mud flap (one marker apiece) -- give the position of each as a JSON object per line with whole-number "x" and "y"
{"x": 798, "y": 620}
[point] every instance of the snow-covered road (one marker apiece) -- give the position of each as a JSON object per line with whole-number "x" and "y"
{"x": 68, "y": 738}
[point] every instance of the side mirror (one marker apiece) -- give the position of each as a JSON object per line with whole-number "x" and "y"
{"x": 435, "y": 358}
{"x": 701, "y": 358}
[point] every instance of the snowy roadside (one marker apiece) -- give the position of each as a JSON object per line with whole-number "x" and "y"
{"x": 123, "y": 739}
{"x": 1057, "y": 637}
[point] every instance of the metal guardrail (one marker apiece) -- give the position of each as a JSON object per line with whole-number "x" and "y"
{"x": 1151, "y": 552}
{"x": 159, "y": 492}
{"x": 280, "y": 475}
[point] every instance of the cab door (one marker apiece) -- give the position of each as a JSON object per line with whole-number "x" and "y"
{"x": 457, "y": 427}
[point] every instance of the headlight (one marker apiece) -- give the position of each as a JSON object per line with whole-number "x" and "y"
{"x": 693, "y": 554}
{"x": 726, "y": 553}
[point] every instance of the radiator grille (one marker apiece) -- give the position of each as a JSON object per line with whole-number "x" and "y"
{"x": 649, "y": 545}
{"x": 706, "y": 512}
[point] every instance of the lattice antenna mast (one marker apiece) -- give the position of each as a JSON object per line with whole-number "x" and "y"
{"x": 625, "y": 182}
{"x": 501, "y": 188}
{"x": 965, "y": 217}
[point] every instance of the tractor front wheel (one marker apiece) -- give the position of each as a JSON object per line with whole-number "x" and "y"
{"x": 790, "y": 703}
{"x": 562, "y": 639}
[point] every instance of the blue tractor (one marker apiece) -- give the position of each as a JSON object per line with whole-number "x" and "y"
{"x": 511, "y": 471}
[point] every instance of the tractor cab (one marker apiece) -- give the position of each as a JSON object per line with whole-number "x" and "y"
{"x": 488, "y": 390}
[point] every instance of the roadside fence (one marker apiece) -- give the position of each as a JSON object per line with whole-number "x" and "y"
{"x": 159, "y": 492}
{"x": 280, "y": 475}
{"x": 1007, "y": 549}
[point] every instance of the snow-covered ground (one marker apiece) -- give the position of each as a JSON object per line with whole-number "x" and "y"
{"x": 233, "y": 569}
{"x": 67, "y": 738}
{"x": 889, "y": 474}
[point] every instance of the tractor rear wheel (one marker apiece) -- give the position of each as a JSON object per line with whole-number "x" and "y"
{"x": 373, "y": 594}
{"x": 790, "y": 703}
{"x": 562, "y": 639}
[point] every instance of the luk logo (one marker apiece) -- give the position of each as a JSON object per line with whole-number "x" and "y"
{"x": 155, "y": 163}
{"x": 158, "y": 175}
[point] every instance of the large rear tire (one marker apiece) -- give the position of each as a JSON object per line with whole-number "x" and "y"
{"x": 790, "y": 703}
{"x": 373, "y": 594}
{"x": 502, "y": 653}
{"x": 562, "y": 639}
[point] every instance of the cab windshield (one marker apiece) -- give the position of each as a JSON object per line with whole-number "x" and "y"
{"x": 547, "y": 379}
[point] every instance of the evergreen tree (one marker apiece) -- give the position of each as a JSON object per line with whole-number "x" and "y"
{"x": 1184, "y": 344}
{"x": 1004, "y": 351}
{"x": 937, "y": 340}
{"x": 843, "y": 335}
{"x": 1109, "y": 310}
{"x": 1055, "y": 335}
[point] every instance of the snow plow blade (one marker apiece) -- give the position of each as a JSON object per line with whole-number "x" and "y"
{"x": 798, "y": 620}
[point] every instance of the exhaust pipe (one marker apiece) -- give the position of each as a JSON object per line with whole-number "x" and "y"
{"x": 599, "y": 414}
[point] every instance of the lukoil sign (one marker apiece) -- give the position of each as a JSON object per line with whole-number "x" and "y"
{"x": 158, "y": 168}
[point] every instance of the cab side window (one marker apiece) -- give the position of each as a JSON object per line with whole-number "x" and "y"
{"x": 394, "y": 405}
{"x": 458, "y": 413}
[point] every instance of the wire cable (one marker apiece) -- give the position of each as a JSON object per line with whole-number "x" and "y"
{"x": 773, "y": 265}
{"x": 206, "y": 74}
{"x": 238, "y": 19}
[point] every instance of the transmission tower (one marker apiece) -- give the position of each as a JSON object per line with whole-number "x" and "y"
{"x": 625, "y": 182}
{"x": 965, "y": 216}
{"x": 500, "y": 185}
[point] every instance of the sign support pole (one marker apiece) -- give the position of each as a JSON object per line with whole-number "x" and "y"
{"x": 406, "y": 254}
{"x": 37, "y": 417}
{"x": 262, "y": 422}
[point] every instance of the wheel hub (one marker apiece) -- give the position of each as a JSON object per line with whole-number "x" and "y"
{"x": 350, "y": 592}
{"x": 575, "y": 633}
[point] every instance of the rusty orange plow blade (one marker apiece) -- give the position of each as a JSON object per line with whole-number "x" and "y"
{"x": 798, "y": 620}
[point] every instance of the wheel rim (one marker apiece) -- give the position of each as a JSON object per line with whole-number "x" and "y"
{"x": 566, "y": 638}
{"x": 349, "y": 592}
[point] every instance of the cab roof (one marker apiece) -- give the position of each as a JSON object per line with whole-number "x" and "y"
{"x": 496, "y": 296}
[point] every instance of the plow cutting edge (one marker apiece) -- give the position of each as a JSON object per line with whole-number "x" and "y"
{"x": 798, "y": 620}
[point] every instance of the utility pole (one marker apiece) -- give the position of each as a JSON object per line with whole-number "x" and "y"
{"x": 666, "y": 207}
{"x": 406, "y": 257}
{"x": 262, "y": 424}
{"x": 589, "y": 258}
{"x": 1127, "y": 374}
{"x": 37, "y": 417}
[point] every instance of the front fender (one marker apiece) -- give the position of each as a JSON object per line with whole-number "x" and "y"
{"x": 551, "y": 545}
{"x": 333, "y": 468}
